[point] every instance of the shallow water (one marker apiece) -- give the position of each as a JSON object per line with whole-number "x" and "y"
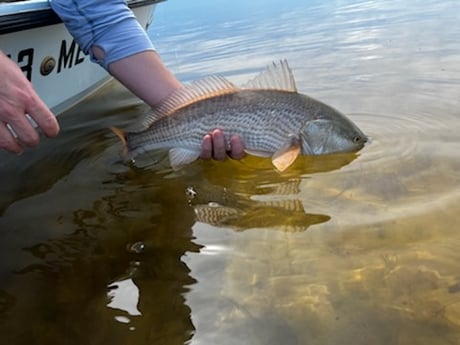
{"x": 339, "y": 249}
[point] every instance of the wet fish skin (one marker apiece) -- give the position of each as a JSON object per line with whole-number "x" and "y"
{"x": 268, "y": 113}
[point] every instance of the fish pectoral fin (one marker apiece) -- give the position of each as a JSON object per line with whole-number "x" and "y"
{"x": 287, "y": 154}
{"x": 263, "y": 154}
{"x": 179, "y": 156}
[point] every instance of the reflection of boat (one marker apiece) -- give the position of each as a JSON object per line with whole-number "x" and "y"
{"x": 33, "y": 36}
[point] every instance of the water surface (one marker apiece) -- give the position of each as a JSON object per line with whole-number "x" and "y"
{"x": 339, "y": 249}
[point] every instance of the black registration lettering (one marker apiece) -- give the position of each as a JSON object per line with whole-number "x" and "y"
{"x": 66, "y": 56}
{"x": 79, "y": 58}
{"x": 27, "y": 56}
{"x": 69, "y": 57}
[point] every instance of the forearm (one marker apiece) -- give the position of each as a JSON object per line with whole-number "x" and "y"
{"x": 146, "y": 76}
{"x": 111, "y": 35}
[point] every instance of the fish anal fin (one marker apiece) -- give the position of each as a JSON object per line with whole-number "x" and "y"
{"x": 179, "y": 157}
{"x": 199, "y": 90}
{"x": 277, "y": 76}
{"x": 287, "y": 154}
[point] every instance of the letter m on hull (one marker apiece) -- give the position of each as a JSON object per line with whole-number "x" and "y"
{"x": 69, "y": 57}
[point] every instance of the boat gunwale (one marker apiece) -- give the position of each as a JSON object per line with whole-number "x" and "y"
{"x": 26, "y": 15}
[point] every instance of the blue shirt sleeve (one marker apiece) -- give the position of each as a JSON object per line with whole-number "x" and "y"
{"x": 110, "y": 25}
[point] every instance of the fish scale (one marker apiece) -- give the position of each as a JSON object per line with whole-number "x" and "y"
{"x": 268, "y": 113}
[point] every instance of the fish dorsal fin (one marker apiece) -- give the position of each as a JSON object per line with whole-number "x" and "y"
{"x": 277, "y": 76}
{"x": 198, "y": 90}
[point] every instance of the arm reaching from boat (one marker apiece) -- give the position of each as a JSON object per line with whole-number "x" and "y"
{"x": 109, "y": 32}
{"x": 18, "y": 98}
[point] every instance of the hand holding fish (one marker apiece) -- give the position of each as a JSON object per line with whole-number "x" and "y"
{"x": 18, "y": 98}
{"x": 142, "y": 84}
{"x": 214, "y": 146}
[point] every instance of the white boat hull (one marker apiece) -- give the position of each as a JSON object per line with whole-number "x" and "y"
{"x": 59, "y": 71}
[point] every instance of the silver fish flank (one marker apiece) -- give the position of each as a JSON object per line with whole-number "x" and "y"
{"x": 268, "y": 113}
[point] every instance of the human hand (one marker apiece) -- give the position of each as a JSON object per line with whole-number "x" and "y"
{"x": 18, "y": 98}
{"x": 213, "y": 146}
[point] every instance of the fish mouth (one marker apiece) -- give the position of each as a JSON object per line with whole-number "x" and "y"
{"x": 361, "y": 140}
{"x": 365, "y": 140}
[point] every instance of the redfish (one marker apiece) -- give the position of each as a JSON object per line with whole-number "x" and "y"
{"x": 271, "y": 117}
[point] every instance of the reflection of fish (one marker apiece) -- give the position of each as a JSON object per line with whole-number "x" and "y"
{"x": 268, "y": 113}
{"x": 240, "y": 213}
{"x": 288, "y": 216}
{"x": 216, "y": 214}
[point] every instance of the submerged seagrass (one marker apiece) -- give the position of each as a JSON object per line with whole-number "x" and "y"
{"x": 268, "y": 113}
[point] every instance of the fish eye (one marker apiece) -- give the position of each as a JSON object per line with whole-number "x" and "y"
{"x": 356, "y": 139}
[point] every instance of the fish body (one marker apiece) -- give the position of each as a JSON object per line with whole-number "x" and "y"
{"x": 268, "y": 113}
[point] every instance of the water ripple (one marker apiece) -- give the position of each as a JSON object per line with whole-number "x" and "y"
{"x": 408, "y": 169}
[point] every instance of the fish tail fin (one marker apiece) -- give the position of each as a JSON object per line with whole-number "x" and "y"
{"x": 124, "y": 141}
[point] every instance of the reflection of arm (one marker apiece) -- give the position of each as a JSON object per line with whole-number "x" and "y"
{"x": 109, "y": 32}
